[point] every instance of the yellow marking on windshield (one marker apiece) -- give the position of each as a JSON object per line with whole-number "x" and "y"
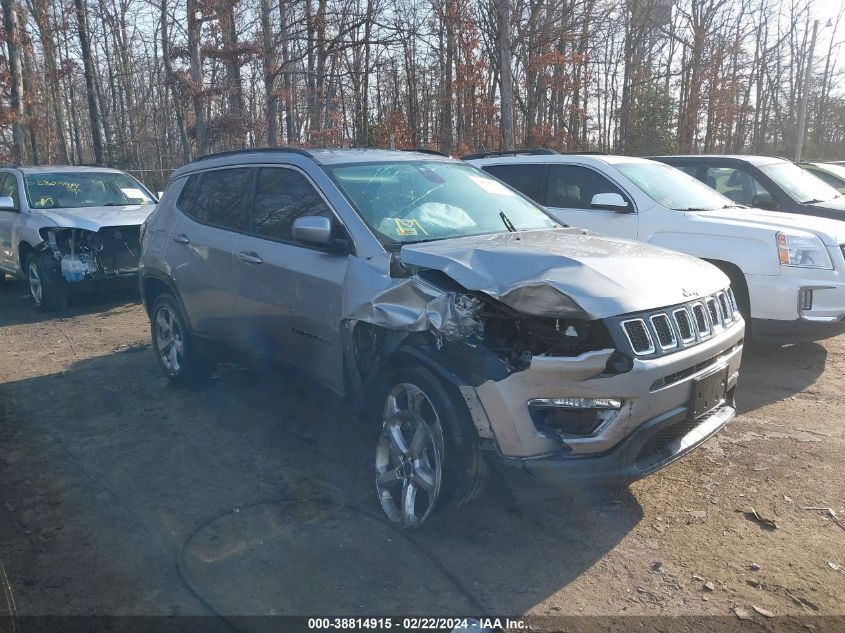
{"x": 408, "y": 227}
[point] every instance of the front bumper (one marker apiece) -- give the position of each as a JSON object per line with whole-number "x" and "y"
{"x": 654, "y": 445}
{"x": 656, "y": 397}
{"x": 776, "y": 297}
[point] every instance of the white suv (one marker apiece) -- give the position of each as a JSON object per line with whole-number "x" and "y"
{"x": 784, "y": 268}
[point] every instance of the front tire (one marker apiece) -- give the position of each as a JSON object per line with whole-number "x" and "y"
{"x": 178, "y": 357}
{"x": 46, "y": 287}
{"x": 427, "y": 451}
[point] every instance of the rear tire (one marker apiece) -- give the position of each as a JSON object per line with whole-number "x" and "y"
{"x": 427, "y": 452}
{"x": 46, "y": 286}
{"x": 179, "y": 358}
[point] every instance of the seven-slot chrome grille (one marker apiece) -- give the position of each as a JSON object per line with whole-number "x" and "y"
{"x": 681, "y": 326}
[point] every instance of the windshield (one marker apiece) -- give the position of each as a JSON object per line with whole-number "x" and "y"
{"x": 418, "y": 201}
{"x": 672, "y": 188}
{"x": 68, "y": 190}
{"x": 799, "y": 184}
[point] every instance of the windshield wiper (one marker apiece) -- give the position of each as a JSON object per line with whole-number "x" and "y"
{"x": 506, "y": 221}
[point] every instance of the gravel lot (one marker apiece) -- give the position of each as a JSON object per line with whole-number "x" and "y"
{"x": 123, "y": 495}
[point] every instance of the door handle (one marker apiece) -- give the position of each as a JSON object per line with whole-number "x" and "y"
{"x": 250, "y": 258}
{"x": 181, "y": 238}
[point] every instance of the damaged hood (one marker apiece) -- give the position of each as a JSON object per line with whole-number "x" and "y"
{"x": 568, "y": 272}
{"x": 95, "y": 218}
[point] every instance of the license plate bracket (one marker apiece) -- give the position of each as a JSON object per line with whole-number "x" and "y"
{"x": 709, "y": 392}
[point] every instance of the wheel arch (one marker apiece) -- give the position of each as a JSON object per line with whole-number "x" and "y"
{"x": 738, "y": 284}
{"x": 153, "y": 285}
{"x": 24, "y": 249}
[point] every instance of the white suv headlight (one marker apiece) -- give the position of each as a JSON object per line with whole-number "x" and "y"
{"x": 802, "y": 251}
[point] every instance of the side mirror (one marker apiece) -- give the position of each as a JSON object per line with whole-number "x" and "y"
{"x": 765, "y": 201}
{"x": 7, "y": 204}
{"x": 313, "y": 229}
{"x": 610, "y": 202}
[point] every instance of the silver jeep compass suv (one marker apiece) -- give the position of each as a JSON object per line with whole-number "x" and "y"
{"x": 486, "y": 334}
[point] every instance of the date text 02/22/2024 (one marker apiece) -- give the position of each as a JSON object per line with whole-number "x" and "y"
{"x": 416, "y": 623}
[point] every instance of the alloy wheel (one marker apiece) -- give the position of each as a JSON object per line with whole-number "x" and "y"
{"x": 170, "y": 342}
{"x": 35, "y": 287}
{"x": 409, "y": 457}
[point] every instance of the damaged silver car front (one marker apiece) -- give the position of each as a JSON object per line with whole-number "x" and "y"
{"x": 89, "y": 255}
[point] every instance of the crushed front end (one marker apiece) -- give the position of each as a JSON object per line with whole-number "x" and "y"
{"x": 635, "y": 393}
{"x": 80, "y": 255}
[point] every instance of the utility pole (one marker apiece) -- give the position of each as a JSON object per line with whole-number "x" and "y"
{"x": 802, "y": 115}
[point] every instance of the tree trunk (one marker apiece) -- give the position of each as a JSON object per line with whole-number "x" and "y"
{"x": 90, "y": 80}
{"x": 13, "y": 39}
{"x": 170, "y": 78}
{"x": 270, "y": 71}
{"x": 46, "y": 35}
{"x": 503, "y": 11}
{"x": 231, "y": 61}
{"x": 447, "y": 90}
{"x": 287, "y": 84}
{"x": 197, "y": 87}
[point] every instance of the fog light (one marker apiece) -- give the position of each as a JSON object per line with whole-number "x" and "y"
{"x": 805, "y": 299}
{"x": 572, "y": 417}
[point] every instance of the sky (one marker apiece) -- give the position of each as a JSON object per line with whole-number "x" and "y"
{"x": 824, "y": 10}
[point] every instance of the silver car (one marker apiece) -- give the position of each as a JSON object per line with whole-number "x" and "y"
{"x": 68, "y": 227}
{"x": 476, "y": 331}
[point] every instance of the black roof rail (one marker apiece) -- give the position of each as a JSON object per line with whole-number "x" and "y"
{"x": 536, "y": 151}
{"x": 583, "y": 153}
{"x": 423, "y": 150}
{"x": 256, "y": 150}
{"x": 90, "y": 165}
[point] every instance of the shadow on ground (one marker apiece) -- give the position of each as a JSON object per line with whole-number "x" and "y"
{"x": 17, "y": 308}
{"x": 256, "y": 492}
{"x": 773, "y": 371}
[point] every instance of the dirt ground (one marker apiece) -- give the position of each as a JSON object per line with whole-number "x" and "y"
{"x": 122, "y": 495}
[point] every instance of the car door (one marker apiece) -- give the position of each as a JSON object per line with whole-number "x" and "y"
{"x": 569, "y": 193}
{"x": 8, "y": 222}
{"x": 213, "y": 206}
{"x": 738, "y": 183}
{"x": 290, "y": 294}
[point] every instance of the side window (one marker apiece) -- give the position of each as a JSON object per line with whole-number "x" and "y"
{"x": 219, "y": 197}
{"x": 523, "y": 178}
{"x": 736, "y": 184}
{"x": 187, "y": 201}
{"x": 689, "y": 170}
{"x": 573, "y": 187}
{"x": 9, "y": 187}
{"x": 283, "y": 195}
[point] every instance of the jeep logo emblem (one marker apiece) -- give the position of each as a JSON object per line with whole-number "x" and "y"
{"x": 690, "y": 292}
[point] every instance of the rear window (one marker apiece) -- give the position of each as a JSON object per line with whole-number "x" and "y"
{"x": 524, "y": 178}
{"x": 219, "y": 197}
